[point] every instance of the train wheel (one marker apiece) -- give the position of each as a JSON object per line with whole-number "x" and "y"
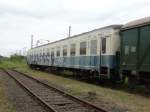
{"x": 122, "y": 80}
{"x": 114, "y": 77}
{"x": 148, "y": 87}
{"x": 132, "y": 81}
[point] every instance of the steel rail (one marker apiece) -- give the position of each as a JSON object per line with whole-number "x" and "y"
{"x": 74, "y": 98}
{"x": 86, "y": 103}
{"x": 31, "y": 93}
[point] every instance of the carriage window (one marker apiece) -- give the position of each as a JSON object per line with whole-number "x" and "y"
{"x": 103, "y": 45}
{"x": 52, "y": 53}
{"x": 65, "y": 50}
{"x": 72, "y": 49}
{"x": 37, "y": 56}
{"x": 58, "y": 52}
{"x": 83, "y": 48}
{"x": 93, "y": 49}
{"x": 126, "y": 50}
{"x": 48, "y": 54}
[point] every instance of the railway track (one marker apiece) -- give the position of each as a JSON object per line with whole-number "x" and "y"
{"x": 53, "y": 99}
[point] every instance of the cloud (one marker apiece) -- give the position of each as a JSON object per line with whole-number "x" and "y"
{"x": 49, "y": 19}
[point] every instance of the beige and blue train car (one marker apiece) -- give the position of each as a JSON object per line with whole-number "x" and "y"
{"x": 94, "y": 51}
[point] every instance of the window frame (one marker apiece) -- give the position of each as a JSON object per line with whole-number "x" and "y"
{"x": 83, "y": 48}
{"x": 58, "y": 52}
{"x": 93, "y": 47}
{"x": 104, "y": 45}
{"x": 73, "y": 49}
{"x": 52, "y": 54}
{"x": 65, "y": 50}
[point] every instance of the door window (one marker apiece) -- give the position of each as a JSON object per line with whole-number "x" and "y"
{"x": 65, "y": 50}
{"x": 93, "y": 49}
{"x": 58, "y": 52}
{"x": 73, "y": 50}
{"x": 103, "y": 45}
{"x": 83, "y": 48}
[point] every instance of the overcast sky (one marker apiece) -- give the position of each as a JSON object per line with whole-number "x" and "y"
{"x": 49, "y": 19}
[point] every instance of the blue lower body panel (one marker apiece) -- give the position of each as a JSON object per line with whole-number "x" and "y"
{"x": 85, "y": 62}
{"x": 79, "y": 62}
{"x": 93, "y": 63}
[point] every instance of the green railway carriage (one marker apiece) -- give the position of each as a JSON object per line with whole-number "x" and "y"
{"x": 135, "y": 51}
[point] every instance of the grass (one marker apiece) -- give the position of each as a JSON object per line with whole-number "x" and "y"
{"x": 14, "y": 61}
{"x": 5, "y": 106}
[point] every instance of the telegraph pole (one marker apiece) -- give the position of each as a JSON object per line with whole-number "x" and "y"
{"x": 69, "y": 31}
{"x": 31, "y": 41}
{"x": 38, "y": 41}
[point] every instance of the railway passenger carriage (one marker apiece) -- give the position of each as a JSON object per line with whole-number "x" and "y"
{"x": 113, "y": 52}
{"x": 94, "y": 52}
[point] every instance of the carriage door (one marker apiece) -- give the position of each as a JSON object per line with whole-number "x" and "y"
{"x": 102, "y": 51}
{"x": 93, "y": 52}
{"x": 52, "y": 58}
{"x": 103, "y": 70}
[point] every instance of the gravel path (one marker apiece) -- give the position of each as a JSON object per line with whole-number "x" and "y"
{"x": 18, "y": 97}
